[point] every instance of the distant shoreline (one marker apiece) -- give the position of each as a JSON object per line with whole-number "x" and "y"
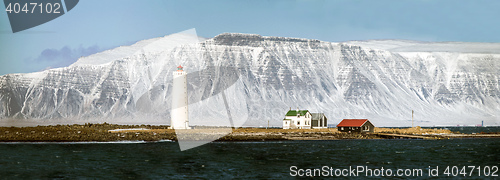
{"x": 150, "y": 133}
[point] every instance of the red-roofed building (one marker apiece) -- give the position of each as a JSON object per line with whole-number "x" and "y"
{"x": 355, "y": 125}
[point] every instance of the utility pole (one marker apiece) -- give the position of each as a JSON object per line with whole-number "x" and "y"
{"x": 412, "y": 118}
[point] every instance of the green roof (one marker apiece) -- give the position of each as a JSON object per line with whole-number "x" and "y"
{"x": 294, "y": 112}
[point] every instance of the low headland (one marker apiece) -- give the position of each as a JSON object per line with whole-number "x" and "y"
{"x": 112, "y": 132}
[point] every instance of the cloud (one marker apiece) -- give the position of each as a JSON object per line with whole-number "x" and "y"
{"x": 54, "y": 58}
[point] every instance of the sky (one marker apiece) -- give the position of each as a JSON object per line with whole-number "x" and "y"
{"x": 96, "y": 25}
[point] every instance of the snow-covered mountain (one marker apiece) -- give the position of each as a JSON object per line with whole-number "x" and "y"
{"x": 262, "y": 78}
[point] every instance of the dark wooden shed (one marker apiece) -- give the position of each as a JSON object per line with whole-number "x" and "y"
{"x": 319, "y": 120}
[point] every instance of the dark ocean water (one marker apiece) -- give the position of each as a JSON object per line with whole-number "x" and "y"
{"x": 163, "y": 160}
{"x": 470, "y": 130}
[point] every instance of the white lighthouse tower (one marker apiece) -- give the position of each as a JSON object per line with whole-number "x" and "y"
{"x": 179, "y": 114}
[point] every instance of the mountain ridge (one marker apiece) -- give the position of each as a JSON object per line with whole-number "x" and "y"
{"x": 343, "y": 80}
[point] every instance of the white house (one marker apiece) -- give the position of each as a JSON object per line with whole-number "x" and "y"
{"x": 303, "y": 119}
{"x": 297, "y": 119}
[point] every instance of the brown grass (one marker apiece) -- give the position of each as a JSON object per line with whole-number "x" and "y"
{"x": 263, "y": 130}
{"x": 100, "y": 132}
{"x": 413, "y": 131}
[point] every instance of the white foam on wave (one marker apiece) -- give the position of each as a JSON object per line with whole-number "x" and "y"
{"x": 131, "y": 129}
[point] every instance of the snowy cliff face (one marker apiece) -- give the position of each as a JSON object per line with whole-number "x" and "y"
{"x": 262, "y": 77}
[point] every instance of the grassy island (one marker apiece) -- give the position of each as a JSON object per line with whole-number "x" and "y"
{"x": 112, "y": 132}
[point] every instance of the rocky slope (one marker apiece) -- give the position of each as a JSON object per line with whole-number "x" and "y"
{"x": 261, "y": 78}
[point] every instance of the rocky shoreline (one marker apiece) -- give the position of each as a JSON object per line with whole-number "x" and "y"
{"x": 112, "y": 132}
{"x": 82, "y": 133}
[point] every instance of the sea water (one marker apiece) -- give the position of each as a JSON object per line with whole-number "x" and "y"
{"x": 279, "y": 159}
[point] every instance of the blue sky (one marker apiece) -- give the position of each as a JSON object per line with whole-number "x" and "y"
{"x": 96, "y": 25}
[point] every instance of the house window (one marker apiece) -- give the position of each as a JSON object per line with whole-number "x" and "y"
{"x": 298, "y": 122}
